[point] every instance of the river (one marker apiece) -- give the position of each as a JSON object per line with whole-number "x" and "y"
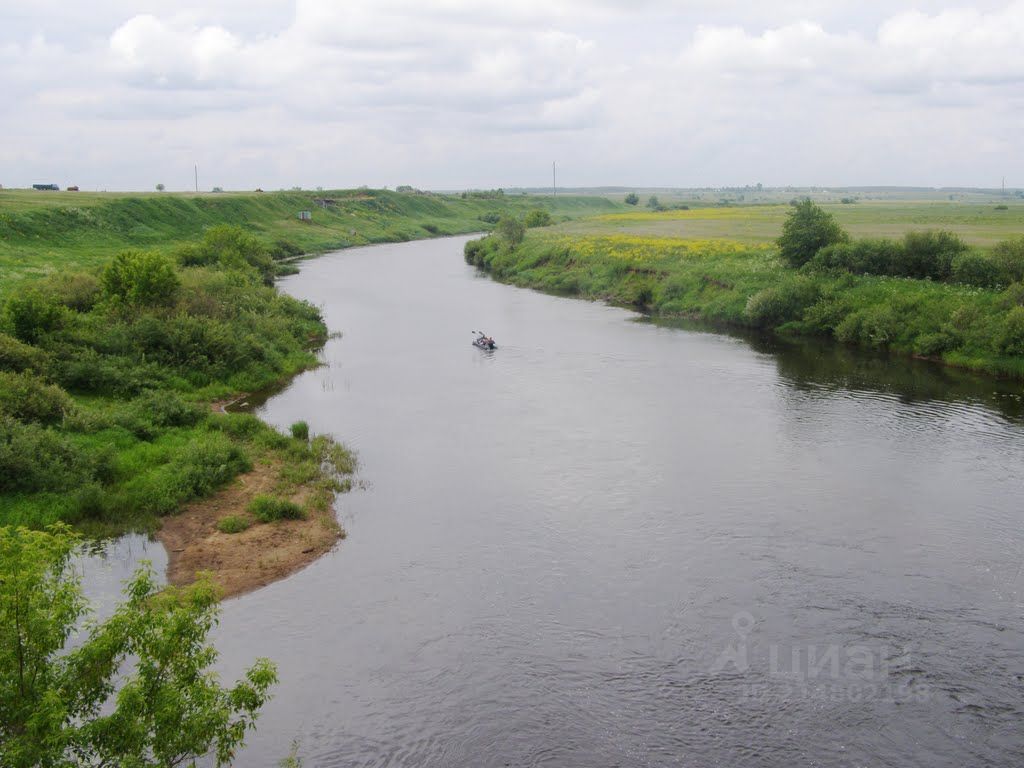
{"x": 615, "y": 543}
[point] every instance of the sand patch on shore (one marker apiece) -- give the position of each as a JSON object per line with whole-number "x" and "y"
{"x": 242, "y": 562}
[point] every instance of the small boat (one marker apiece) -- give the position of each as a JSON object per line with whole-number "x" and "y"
{"x": 483, "y": 341}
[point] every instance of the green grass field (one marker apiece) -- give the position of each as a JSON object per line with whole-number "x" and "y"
{"x": 44, "y": 232}
{"x": 976, "y": 223}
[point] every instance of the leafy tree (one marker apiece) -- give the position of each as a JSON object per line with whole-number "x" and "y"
{"x": 137, "y": 691}
{"x": 538, "y": 217}
{"x": 807, "y": 229}
{"x": 141, "y": 279}
{"x": 230, "y": 247}
{"x": 1009, "y": 258}
{"x": 632, "y": 198}
{"x": 30, "y": 314}
{"x": 160, "y": 187}
{"x": 511, "y": 230}
{"x": 653, "y": 203}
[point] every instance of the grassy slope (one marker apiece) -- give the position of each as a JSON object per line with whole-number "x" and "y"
{"x": 726, "y": 259}
{"x": 41, "y": 232}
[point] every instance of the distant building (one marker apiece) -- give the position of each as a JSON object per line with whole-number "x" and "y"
{"x": 73, "y": 188}
{"x": 41, "y": 187}
{"x": 305, "y": 215}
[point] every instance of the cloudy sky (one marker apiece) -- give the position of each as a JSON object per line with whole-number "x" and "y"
{"x": 122, "y": 94}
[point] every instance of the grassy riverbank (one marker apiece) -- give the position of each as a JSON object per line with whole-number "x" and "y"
{"x": 44, "y": 232}
{"x": 743, "y": 281}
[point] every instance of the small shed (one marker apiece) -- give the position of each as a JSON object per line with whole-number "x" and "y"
{"x": 305, "y": 215}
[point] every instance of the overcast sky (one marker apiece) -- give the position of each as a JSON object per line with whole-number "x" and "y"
{"x": 113, "y": 94}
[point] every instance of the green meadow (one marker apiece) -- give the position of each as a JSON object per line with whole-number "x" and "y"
{"x": 44, "y": 232}
{"x": 981, "y": 224}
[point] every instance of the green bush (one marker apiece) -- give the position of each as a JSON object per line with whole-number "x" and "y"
{"x": 511, "y": 230}
{"x": 27, "y": 398}
{"x": 538, "y": 217}
{"x": 929, "y": 255}
{"x": 141, "y": 279}
{"x": 18, "y": 356}
{"x": 231, "y": 247}
{"x": 632, "y": 198}
{"x": 934, "y": 344}
{"x": 859, "y": 257}
{"x": 267, "y": 509}
{"x": 207, "y": 463}
{"x": 300, "y": 430}
{"x": 233, "y": 524}
{"x": 79, "y": 291}
{"x": 31, "y": 314}
{"x": 873, "y": 326}
{"x": 807, "y": 229}
{"x": 973, "y": 268}
{"x": 771, "y": 307}
{"x": 1009, "y": 259}
{"x": 1011, "y": 336}
{"x": 284, "y": 249}
{"x": 34, "y": 458}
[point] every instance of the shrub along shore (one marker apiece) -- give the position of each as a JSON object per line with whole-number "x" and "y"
{"x": 927, "y": 295}
{"x": 106, "y": 378}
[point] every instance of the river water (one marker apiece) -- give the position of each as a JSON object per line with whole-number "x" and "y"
{"x": 613, "y": 543}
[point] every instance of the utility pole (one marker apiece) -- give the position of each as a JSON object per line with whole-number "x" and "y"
{"x": 197, "y": 176}
{"x": 554, "y": 180}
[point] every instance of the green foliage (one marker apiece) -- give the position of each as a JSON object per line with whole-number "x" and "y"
{"x": 511, "y": 230}
{"x": 632, "y": 198}
{"x": 653, "y": 203}
{"x": 1008, "y": 256}
{"x": 34, "y": 458}
{"x": 972, "y": 268}
{"x": 136, "y": 690}
{"x": 31, "y": 314}
{"x": 333, "y": 455}
{"x": 538, "y": 217}
{"x": 300, "y": 430}
{"x": 1011, "y": 335}
{"x": 807, "y": 229}
{"x": 27, "y": 398}
{"x": 141, "y": 279}
{"x": 79, "y": 291}
{"x": 268, "y": 509}
{"x": 18, "y": 356}
{"x": 860, "y": 257}
{"x": 233, "y": 524}
{"x": 231, "y": 247}
{"x": 284, "y": 249}
{"x": 929, "y": 255}
{"x": 777, "y": 304}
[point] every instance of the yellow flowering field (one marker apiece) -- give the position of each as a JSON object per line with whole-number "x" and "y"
{"x": 646, "y": 250}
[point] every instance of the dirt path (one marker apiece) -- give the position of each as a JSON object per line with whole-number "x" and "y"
{"x": 242, "y": 562}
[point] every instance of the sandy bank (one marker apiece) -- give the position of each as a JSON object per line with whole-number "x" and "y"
{"x": 242, "y": 562}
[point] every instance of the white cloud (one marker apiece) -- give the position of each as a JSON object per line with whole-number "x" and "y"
{"x": 475, "y": 92}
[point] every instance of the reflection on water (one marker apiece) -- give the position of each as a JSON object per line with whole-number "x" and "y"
{"x": 614, "y": 543}
{"x": 818, "y": 364}
{"x": 106, "y": 565}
